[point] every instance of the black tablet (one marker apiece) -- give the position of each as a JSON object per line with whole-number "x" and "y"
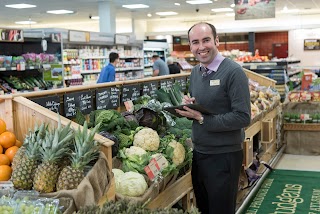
{"x": 196, "y": 107}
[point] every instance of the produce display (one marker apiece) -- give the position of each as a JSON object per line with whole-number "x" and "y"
{"x": 262, "y": 98}
{"x": 304, "y": 96}
{"x": 125, "y": 206}
{"x": 9, "y": 146}
{"x": 142, "y": 135}
{"x": 27, "y": 203}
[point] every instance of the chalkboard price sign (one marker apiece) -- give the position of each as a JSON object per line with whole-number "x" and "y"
{"x": 107, "y": 98}
{"x": 130, "y": 92}
{"x": 82, "y": 100}
{"x": 166, "y": 83}
{"x": 182, "y": 82}
{"x": 51, "y": 102}
{"x": 149, "y": 88}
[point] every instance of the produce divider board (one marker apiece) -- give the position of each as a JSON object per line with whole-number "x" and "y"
{"x": 130, "y": 92}
{"x": 182, "y": 82}
{"x": 166, "y": 83}
{"x": 82, "y": 100}
{"x": 149, "y": 88}
{"x": 50, "y": 102}
{"x": 107, "y": 98}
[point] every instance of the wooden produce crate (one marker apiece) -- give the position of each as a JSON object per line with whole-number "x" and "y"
{"x": 25, "y": 115}
{"x": 248, "y": 151}
{"x": 262, "y": 80}
{"x": 301, "y": 127}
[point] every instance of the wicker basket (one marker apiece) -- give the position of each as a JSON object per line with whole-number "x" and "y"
{"x": 301, "y": 126}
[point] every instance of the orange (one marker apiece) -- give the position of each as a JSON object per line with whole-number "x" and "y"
{"x": 7, "y": 139}
{"x": 4, "y": 160}
{"x": 5, "y": 172}
{"x": 3, "y": 126}
{"x": 1, "y": 149}
{"x": 18, "y": 143}
{"x": 11, "y": 152}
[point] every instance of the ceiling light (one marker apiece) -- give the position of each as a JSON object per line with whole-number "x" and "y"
{"x": 21, "y": 6}
{"x": 135, "y": 6}
{"x": 169, "y": 13}
{"x": 230, "y": 14}
{"x": 232, "y": 5}
{"x": 177, "y": 4}
{"x": 95, "y": 17}
{"x": 217, "y": 10}
{"x": 149, "y": 14}
{"x": 60, "y": 11}
{"x": 25, "y": 22}
{"x": 199, "y": 2}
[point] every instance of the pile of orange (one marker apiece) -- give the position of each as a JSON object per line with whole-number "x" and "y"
{"x": 9, "y": 146}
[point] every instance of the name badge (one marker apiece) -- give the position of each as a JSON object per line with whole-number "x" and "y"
{"x": 214, "y": 82}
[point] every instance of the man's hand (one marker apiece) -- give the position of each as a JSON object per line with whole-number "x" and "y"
{"x": 188, "y": 100}
{"x": 190, "y": 113}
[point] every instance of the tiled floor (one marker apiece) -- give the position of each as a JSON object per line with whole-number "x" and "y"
{"x": 299, "y": 162}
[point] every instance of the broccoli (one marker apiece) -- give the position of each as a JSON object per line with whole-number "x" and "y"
{"x": 124, "y": 140}
{"x": 144, "y": 99}
{"x": 183, "y": 123}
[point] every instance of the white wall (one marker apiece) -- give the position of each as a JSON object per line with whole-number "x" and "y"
{"x": 295, "y": 46}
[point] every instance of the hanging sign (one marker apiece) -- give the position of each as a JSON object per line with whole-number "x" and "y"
{"x": 311, "y": 44}
{"x": 11, "y": 35}
{"x": 247, "y": 9}
{"x": 79, "y": 36}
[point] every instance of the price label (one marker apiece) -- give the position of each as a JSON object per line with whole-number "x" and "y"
{"x": 129, "y": 105}
{"x": 155, "y": 167}
{"x": 152, "y": 169}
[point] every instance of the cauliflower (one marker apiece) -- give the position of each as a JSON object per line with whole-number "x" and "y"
{"x": 148, "y": 139}
{"x": 118, "y": 173}
{"x": 132, "y": 184}
{"x": 134, "y": 150}
{"x": 179, "y": 152}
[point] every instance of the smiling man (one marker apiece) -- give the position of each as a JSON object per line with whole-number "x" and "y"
{"x": 221, "y": 86}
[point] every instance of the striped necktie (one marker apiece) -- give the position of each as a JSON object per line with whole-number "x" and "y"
{"x": 205, "y": 71}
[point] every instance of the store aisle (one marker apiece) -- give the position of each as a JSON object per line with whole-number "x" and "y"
{"x": 299, "y": 162}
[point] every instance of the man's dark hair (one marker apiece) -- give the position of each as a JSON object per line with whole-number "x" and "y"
{"x": 213, "y": 29}
{"x": 113, "y": 56}
{"x": 155, "y": 56}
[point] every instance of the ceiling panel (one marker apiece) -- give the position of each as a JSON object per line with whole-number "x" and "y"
{"x": 84, "y": 8}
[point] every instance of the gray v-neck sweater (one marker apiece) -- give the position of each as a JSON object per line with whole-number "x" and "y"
{"x": 225, "y": 94}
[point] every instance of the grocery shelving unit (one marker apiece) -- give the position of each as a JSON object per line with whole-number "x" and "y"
{"x": 281, "y": 71}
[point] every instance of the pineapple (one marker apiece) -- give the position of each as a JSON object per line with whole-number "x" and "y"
{"x": 86, "y": 150}
{"x": 40, "y": 134}
{"x": 55, "y": 146}
{"x": 26, "y": 163}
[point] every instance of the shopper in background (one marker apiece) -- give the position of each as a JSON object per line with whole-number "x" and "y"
{"x": 108, "y": 73}
{"x": 221, "y": 86}
{"x": 160, "y": 68}
{"x": 173, "y": 68}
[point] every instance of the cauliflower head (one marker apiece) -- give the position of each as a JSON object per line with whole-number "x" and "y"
{"x": 134, "y": 150}
{"x": 147, "y": 138}
{"x": 118, "y": 173}
{"x": 132, "y": 184}
{"x": 179, "y": 152}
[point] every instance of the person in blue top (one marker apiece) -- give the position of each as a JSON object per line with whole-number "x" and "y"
{"x": 108, "y": 73}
